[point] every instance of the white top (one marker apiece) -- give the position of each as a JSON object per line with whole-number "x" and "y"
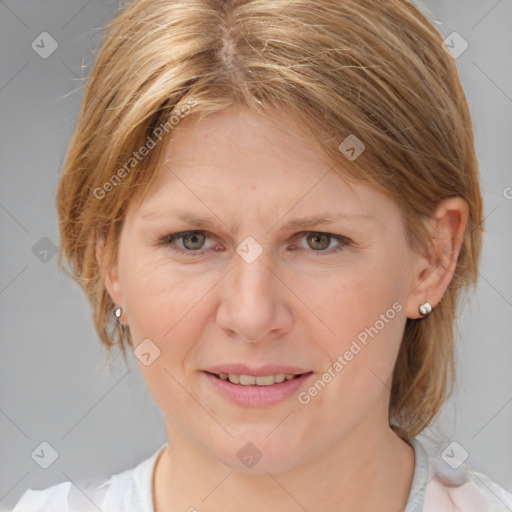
{"x": 436, "y": 487}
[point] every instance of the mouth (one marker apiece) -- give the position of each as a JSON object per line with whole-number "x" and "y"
{"x": 256, "y": 387}
{"x": 260, "y": 380}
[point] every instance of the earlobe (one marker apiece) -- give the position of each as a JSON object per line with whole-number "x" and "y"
{"x": 435, "y": 270}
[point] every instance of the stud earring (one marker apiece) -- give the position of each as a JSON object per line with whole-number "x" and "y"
{"x": 425, "y": 309}
{"x": 117, "y": 312}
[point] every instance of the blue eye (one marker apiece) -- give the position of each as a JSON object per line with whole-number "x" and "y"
{"x": 192, "y": 242}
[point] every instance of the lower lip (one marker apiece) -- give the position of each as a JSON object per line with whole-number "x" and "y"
{"x": 257, "y": 395}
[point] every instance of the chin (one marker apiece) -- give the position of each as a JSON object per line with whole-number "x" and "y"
{"x": 259, "y": 454}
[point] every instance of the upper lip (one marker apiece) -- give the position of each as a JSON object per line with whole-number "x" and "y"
{"x": 268, "y": 369}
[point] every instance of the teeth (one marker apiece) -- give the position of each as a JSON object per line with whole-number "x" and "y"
{"x": 246, "y": 380}
{"x": 235, "y": 379}
{"x": 251, "y": 380}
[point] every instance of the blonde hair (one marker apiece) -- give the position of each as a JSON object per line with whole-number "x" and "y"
{"x": 373, "y": 69}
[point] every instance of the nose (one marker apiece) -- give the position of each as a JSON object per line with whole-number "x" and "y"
{"x": 255, "y": 303}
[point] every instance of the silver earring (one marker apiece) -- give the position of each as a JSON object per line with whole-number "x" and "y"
{"x": 425, "y": 309}
{"x": 117, "y": 312}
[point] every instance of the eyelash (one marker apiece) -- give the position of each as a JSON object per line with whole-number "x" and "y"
{"x": 169, "y": 240}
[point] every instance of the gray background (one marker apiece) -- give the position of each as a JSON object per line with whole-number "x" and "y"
{"x": 104, "y": 421}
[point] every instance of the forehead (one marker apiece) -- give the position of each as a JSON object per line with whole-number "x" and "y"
{"x": 240, "y": 138}
{"x": 262, "y": 166}
{"x": 244, "y": 150}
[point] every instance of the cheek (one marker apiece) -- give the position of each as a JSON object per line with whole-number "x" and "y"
{"x": 163, "y": 305}
{"x": 150, "y": 294}
{"x": 353, "y": 299}
{"x": 362, "y": 315}
{"x": 162, "y": 301}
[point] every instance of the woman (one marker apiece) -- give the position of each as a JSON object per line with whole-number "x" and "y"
{"x": 275, "y": 206}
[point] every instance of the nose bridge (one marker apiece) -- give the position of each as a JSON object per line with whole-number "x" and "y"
{"x": 252, "y": 281}
{"x": 251, "y": 304}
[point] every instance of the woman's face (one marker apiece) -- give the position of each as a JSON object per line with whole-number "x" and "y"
{"x": 260, "y": 286}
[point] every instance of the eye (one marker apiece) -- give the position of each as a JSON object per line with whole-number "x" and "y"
{"x": 319, "y": 242}
{"x": 192, "y": 242}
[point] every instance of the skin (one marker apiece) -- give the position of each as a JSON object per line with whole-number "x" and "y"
{"x": 293, "y": 305}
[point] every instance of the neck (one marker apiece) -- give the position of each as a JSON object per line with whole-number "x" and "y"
{"x": 366, "y": 470}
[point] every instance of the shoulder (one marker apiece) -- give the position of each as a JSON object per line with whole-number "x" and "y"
{"x": 63, "y": 497}
{"x": 52, "y": 498}
{"x": 128, "y": 491}
{"x": 462, "y": 489}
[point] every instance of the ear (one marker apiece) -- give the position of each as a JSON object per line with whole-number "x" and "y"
{"x": 434, "y": 270}
{"x": 110, "y": 275}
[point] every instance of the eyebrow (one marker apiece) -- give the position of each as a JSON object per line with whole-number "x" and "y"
{"x": 326, "y": 218}
{"x": 304, "y": 222}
